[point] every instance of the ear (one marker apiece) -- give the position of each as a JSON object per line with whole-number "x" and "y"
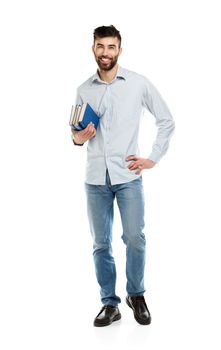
{"x": 92, "y": 48}
{"x": 120, "y": 50}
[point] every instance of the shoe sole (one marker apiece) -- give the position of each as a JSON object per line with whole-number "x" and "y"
{"x": 116, "y": 318}
{"x": 136, "y": 317}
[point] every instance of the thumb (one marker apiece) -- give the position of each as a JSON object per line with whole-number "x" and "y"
{"x": 132, "y": 157}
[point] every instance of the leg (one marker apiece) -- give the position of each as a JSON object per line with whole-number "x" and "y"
{"x": 100, "y": 213}
{"x": 130, "y": 201}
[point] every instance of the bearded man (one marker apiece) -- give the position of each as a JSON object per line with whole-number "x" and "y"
{"x": 114, "y": 169}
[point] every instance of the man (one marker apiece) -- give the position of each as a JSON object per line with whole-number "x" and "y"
{"x": 114, "y": 169}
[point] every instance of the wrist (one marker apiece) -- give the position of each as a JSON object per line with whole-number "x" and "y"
{"x": 75, "y": 141}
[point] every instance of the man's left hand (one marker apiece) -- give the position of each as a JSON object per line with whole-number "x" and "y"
{"x": 139, "y": 164}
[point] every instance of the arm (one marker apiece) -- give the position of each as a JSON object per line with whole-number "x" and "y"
{"x": 153, "y": 101}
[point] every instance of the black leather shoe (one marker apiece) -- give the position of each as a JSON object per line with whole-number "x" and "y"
{"x": 139, "y": 307}
{"x": 107, "y": 315}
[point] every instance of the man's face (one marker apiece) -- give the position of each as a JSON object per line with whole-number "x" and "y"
{"x": 106, "y": 52}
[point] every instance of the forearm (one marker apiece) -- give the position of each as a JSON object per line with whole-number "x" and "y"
{"x": 165, "y": 131}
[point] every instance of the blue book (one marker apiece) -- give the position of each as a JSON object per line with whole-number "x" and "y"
{"x": 82, "y": 115}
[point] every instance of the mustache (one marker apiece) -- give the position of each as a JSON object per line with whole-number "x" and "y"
{"x": 110, "y": 58}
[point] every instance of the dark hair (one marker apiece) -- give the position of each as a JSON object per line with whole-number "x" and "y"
{"x": 104, "y": 31}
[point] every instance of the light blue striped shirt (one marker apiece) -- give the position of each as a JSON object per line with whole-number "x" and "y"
{"x": 119, "y": 105}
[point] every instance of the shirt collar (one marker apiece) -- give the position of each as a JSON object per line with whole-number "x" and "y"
{"x": 121, "y": 74}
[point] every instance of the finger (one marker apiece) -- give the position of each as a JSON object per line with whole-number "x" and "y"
{"x": 131, "y": 165}
{"x": 135, "y": 165}
{"x": 88, "y": 131}
{"x": 84, "y": 132}
{"x": 89, "y": 134}
{"x": 133, "y": 157}
{"x": 92, "y": 134}
{"x": 138, "y": 171}
{"x": 91, "y": 130}
{"x": 89, "y": 125}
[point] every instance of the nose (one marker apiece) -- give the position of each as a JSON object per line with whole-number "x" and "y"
{"x": 105, "y": 51}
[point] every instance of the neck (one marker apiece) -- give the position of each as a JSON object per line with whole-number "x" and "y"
{"x": 108, "y": 75}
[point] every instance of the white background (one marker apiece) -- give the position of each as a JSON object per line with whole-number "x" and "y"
{"x": 48, "y": 295}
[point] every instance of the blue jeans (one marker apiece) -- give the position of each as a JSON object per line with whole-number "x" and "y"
{"x": 130, "y": 200}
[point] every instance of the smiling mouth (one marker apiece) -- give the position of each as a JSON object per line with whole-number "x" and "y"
{"x": 105, "y": 60}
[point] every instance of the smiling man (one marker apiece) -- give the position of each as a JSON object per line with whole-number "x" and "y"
{"x": 106, "y": 52}
{"x": 114, "y": 169}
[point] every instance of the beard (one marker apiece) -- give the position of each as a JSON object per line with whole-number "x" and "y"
{"x": 109, "y": 64}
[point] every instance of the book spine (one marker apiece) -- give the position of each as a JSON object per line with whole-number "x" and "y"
{"x": 72, "y": 115}
{"x": 77, "y": 125}
{"x": 82, "y": 112}
{"x": 75, "y": 114}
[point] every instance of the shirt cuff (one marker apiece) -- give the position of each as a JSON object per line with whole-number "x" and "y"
{"x": 155, "y": 156}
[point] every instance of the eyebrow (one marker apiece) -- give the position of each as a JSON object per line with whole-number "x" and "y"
{"x": 110, "y": 45}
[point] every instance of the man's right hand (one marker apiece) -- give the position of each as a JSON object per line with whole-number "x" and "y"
{"x": 82, "y": 136}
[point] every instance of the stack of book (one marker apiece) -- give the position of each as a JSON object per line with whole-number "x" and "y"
{"x": 82, "y": 115}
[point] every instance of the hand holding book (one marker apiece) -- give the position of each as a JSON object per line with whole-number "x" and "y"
{"x": 84, "y": 122}
{"x": 82, "y": 115}
{"x": 80, "y": 137}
